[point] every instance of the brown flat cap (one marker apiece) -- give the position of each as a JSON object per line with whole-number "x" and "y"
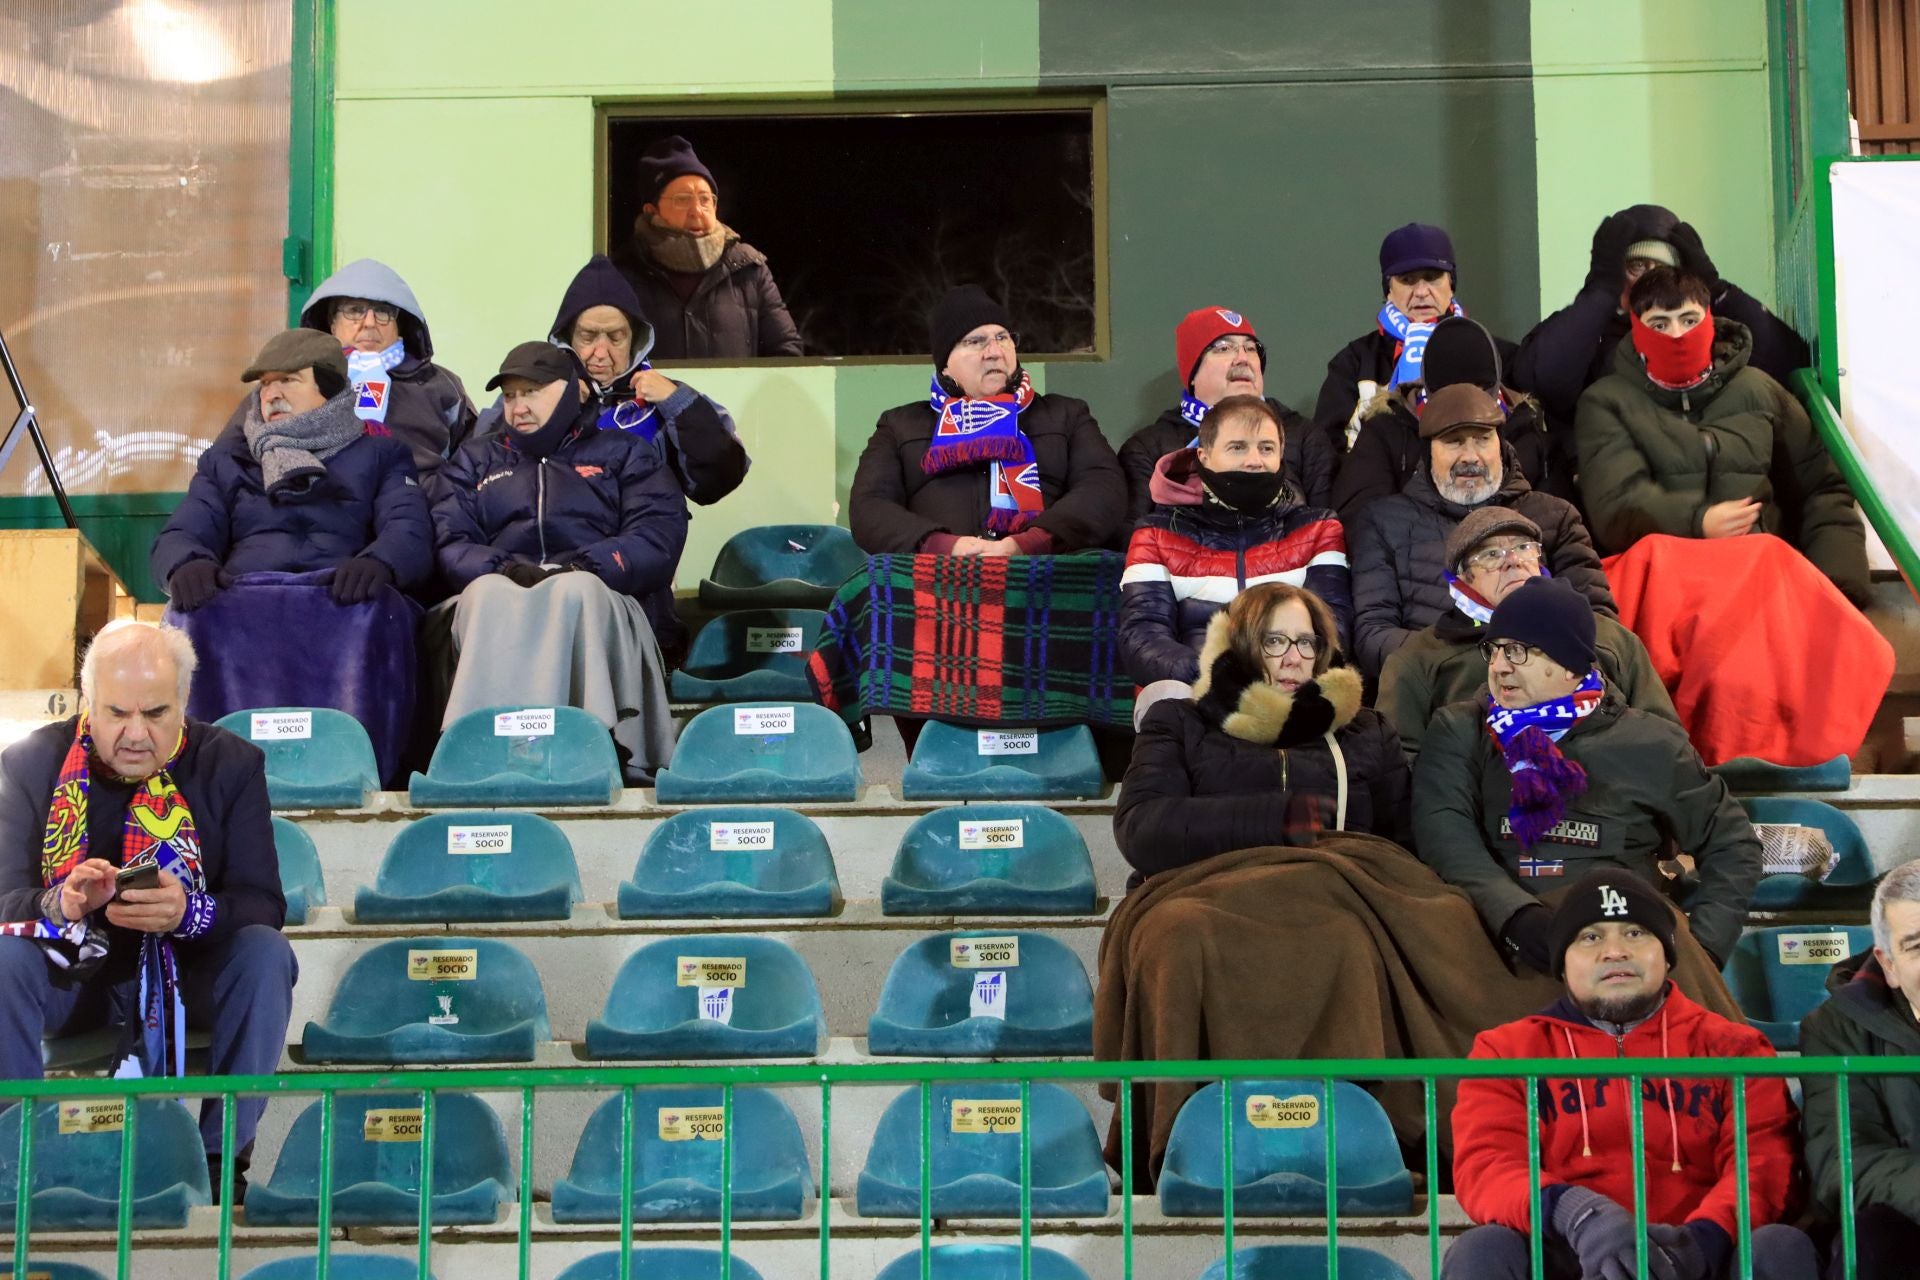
{"x": 298, "y": 349}
{"x": 1483, "y": 523}
{"x": 1460, "y": 405}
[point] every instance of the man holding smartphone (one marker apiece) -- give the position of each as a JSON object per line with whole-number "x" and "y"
{"x": 139, "y": 887}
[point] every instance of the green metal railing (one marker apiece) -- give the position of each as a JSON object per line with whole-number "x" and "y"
{"x": 530, "y": 1085}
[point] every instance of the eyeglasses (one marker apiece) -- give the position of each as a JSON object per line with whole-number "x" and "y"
{"x": 1276, "y": 645}
{"x": 686, "y": 200}
{"x": 981, "y": 341}
{"x": 1233, "y": 346}
{"x": 1513, "y": 651}
{"x": 358, "y": 311}
{"x": 1524, "y": 554}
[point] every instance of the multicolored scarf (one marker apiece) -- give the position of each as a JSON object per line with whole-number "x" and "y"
{"x": 159, "y": 830}
{"x": 1544, "y": 781}
{"x": 1194, "y": 412}
{"x": 1412, "y": 339}
{"x": 372, "y": 388}
{"x": 976, "y": 429}
{"x": 1469, "y": 601}
{"x": 635, "y": 417}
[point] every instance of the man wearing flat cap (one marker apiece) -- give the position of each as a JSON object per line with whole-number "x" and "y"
{"x": 553, "y": 531}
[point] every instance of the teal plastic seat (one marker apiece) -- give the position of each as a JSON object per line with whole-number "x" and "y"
{"x": 1779, "y": 975}
{"x": 754, "y": 656}
{"x": 376, "y": 1179}
{"x": 332, "y": 768}
{"x": 42, "y": 1267}
{"x": 1282, "y": 1172}
{"x": 1749, "y": 776}
{"x": 1304, "y": 1262}
{"x": 458, "y": 868}
{"x": 781, "y": 566}
{"x": 379, "y": 1014}
{"x": 731, "y": 862}
{"x": 76, "y": 1176}
{"x": 927, "y": 1004}
{"x": 678, "y": 1180}
{"x": 775, "y": 1013}
{"x": 977, "y": 1174}
{"x": 300, "y": 880}
{"x": 954, "y": 763}
{"x": 981, "y": 1262}
{"x": 980, "y": 859}
{"x": 341, "y": 1266}
{"x": 658, "y": 1264}
{"x": 726, "y": 756}
{"x": 476, "y": 767}
{"x": 1848, "y": 884}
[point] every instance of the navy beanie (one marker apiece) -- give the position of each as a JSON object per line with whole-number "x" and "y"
{"x": 1548, "y": 615}
{"x": 964, "y": 309}
{"x": 1416, "y": 247}
{"x": 669, "y": 158}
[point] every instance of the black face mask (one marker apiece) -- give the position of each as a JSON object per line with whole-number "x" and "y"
{"x": 1246, "y": 491}
{"x": 544, "y": 441}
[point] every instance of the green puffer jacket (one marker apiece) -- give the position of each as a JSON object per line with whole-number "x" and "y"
{"x": 1653, "y": 460}
{"x": 1867, "y": 1017}
{"x": 1645, "y": 785}
{"x": 1442, "y": 664}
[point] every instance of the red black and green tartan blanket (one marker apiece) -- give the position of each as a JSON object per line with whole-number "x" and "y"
{"x": 977, "y": 640}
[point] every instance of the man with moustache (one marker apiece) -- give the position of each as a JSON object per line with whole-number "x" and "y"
{"x": 1612, "y": 943}
{"x": 1398, "y": 543}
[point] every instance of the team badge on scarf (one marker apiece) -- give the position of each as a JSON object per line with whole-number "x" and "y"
{"x": 1544, "y": 781}
{"x": 635, "y": 417}
{"x": 976, "y": 429}
{"x": 1412, "y": 339}
{"x": 372, "y": 388}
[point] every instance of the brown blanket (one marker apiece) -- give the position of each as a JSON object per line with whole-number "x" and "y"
{"x": 1352, "y": 948}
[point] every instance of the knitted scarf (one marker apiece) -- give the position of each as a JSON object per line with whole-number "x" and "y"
{"x": 1469, "y": 601}
{"x": 678, "y": 251}
{"x": 372, "y": 389}
{"x": 292, "y": 451}
{"x": 159, "y": 830}
{"x": 976, "y": 429}
{"x": 1545, "y": 782}
{"x": 1411, "y": 350}
{"x": 634, "y": 416}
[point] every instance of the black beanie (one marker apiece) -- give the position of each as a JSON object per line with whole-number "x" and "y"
{"x": 1609, "y": 894}
{"x": 1460, "y": 350}
{"x": 666, "y": 159}
{"x": 964, "y": 309}
{"x": 1548, "y": 615}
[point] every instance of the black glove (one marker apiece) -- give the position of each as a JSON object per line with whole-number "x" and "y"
{"x": 1611, "y": 240}
{"x": 1678, "y": 1248}
{"x": 1528, "y": 933}
{"x": 1600, "y": 1232}
{"x": 356, "y": 580}
{"x": 195, "y": 582}
{"x": 1693, "y": 256}
{"x": 526, "y": 574}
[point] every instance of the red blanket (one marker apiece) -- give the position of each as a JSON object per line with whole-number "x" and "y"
{"x": 1763, "y": 656}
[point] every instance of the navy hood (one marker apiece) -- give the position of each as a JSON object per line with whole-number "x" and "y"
{"x": 600, "y": 284}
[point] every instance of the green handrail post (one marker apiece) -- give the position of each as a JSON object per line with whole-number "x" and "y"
{"x": 1226, "y": 1168}
{"x": 1333, "y": 1180}
{"x": 526, "y": 1184}
{"x": 129, "y": 1122}
{"x": 1743, "y": 1212}
{"x": 1431, "y": 1099}
{"x": 726, "y": 1182}
{"x": 307, "y": 252}
{"x": 627, "y": 1104}
{"x": 23, "y": 1189}
{"x": 228, "y": 1102}
{"x": 826, "y": 1175}
{"x": 323, "y": 1222}
{"x": 1536, "y": 1238}
{"x": 425, "y": 1255}
{"x": 1846, "y": 455}
{"x": 1842, "y": 1103}
{"x": 926, "y": 1180}
{"x": 1026, "y": 1180}
{"x": 1637, "y": 1112}
{"x": 1126, "y": 1176}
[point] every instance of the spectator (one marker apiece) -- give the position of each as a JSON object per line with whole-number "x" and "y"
{"x": 130, "y": 783}
{"x": 710, "y": 293}
{"x": 1573, "y": 348}
{"x": 1490, "y": 553}
{"x": 298, "y": 534}
{"x": 400, "y": 391}
{"x": 1216, "y": 355}
{"x": 1418, "y": 277}
{"x": 553, "y": 532}
{"x": 1612, "y": 943}
{"x": 986, "y": 466}
{"x": 1389, "y": 449}
{"x": 1871, "y": 1015}
{"x": 1398, "y": 543}
{"x": 1555, "y": 771}
{"x": 1274, "y": 742}
{"x": 1224, "y": 520}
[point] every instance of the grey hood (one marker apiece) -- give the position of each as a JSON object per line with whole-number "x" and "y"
{"x": 376, "y": 282}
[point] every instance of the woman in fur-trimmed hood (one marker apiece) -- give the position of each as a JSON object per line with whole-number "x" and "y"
{"x": 1273, "y": 747}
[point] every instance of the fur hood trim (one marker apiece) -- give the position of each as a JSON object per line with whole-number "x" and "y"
{"x": 1234, "y": 696}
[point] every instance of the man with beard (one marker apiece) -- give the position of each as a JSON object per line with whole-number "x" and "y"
{"x": 1223, "y": 520}
{"x": 1217, "y": 354}
{"x": 1398, "y": 543}
{"x": 1612, "y": 939}
{"x": 708, "y": 292}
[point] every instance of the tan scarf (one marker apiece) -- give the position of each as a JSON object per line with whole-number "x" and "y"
{"x": 678, "y": 251}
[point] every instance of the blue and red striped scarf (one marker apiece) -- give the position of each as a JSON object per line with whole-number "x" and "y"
{"x": 1544, "y": 781}
{"x": 1410, "y": 336}
{"x": 976, "y": 429}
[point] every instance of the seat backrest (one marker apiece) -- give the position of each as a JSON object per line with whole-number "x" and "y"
{"x": 793, "y": 743}
{"x": 377, "y": 1138}
{"x": 1027, "y": 845}
{"x": 659, "y": 1264}
{"x": 300, "y": 876}
{"x": 647, "y": 993}
{"x": 982, "y": 1262}
{"x": 1279, "y": 1126}
{"x": 1305, "y": 1262}
{"x": 755, "y": 640}
{"x": 167, "y": 1150}
{"x": 542, "y": 743}
{"x": 1795, "y": 961}
{"x": 773, "y": 850}
{"x": 932, "y": 982}
{"x": 496, "y": 850}
{"x": 46, "y": 1269}
{"x": 485, "y": 983}
{"x": 308, "y": 745}
{"x": 1852, "y": 863}
{"x": 820, "y": 554}
{"x": 340, "y": 1266}
{"x": 967, "y": 1140}
{"x": 670, "y": 1143}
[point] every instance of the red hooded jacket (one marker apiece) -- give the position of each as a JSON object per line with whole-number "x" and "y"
{"x": 1586, "y": 1136}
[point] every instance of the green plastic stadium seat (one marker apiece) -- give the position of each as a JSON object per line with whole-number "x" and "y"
{"x": 954, "y": 763}
{"x": 941, "y": 1001}
{"x": 761, "y": 753}
{"x": 488, "y": 759}
{"x": 341, "y": 1266}
{"x": 1304, "y": 1262}
{"x": 1848, "y": 884}
{"x": 759, "y": 655}
{"x": 981, "y": 1262}
{"x": 1780, "y": 975}
{"x": 317, "y": 758}
{"x": 658, "y": 1264}
{"x": 774, "y": 1013}
{"x": 1749, "y": 776}
{"x": 300, "y": 879}
{"x": 76, "y": 1175}
{"x": 732, "y": 861}
{"x": 439, "y": 998}
{"x": 781, "y": 566}
{"x": 980, "y": 859}
{"x": 457, "y": 868}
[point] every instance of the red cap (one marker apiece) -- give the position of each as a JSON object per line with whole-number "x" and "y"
{"x": 1200, "y": 330}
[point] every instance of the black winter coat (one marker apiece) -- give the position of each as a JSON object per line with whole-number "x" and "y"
{"x": 1368, "y": 358}
{"x": 1246, "y": 764}
{"x": 736, "y": 313}
{"x": 894, "y": 505}
{"x": 1389, "y": 450}
{"x": 1866, "y": 1017}
{"x": 1397, "y": 549}
{"x": 1308, "y": 458}
{"x": 370, "y": 503}
{"x": 429, "y": 412}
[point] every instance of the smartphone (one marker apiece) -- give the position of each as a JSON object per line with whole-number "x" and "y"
{"x": 144, "y": 876}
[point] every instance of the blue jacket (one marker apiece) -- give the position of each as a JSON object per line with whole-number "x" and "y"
{"x": 604, "y": 500}
{"x": 370, "y": 504}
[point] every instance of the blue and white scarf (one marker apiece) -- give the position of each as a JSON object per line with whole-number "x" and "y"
{"x": 1471, "y": 603}
{"x": 372, "y": 388}
{"x": 1412, "y": 339}
{"x": 635, "y": 417}
{"x": 1194, "y": 412}
{"x": 1544, "y": 781}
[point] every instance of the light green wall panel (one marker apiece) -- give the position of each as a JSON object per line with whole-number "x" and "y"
{"x": 881, "y": 44}
{"x": 483, "y": 205}
{"x": 1650, "y": 101}
{"x": 571, "y": 47}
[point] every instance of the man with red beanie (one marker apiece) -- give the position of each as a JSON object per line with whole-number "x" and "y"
{"x": 1613, "y": 944}
{"x": 1217, "y": 354}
